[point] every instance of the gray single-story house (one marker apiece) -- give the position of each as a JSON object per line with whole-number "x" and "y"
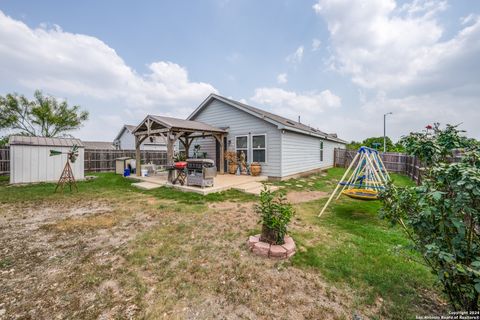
{"x": 125, "y": 140}
{"x": 285, "y": 148}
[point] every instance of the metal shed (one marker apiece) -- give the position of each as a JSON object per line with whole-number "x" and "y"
{"x": 30, "y": 159}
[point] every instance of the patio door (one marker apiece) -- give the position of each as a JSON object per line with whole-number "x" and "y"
{"x": 217, "y": 153}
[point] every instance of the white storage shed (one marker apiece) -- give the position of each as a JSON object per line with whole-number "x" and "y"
{"x": 30, "y": 159}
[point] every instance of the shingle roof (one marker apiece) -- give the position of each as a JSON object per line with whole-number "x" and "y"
{"x": 130, "y": 127}
{"x": 277, "y": 118}
{"x": 177, "y": 123}
{"x": 268, "y": 115}
{"x": 43, "y": 141}
{"x": 99, "y": 145}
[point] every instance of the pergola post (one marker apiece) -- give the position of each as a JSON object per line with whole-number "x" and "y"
{"x": 138, "y": 158}
{"x": 220, "y": 140}
{"x": 172, "y": 129}
{"x": 170, "y": 148}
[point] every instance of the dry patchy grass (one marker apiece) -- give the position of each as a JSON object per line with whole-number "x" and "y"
{"x": 132, "y": 254}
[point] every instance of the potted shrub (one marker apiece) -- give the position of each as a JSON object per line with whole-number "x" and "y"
{"x": 275, "y": 215}
{"x": 255, "y": 168}
{"x": 231, "y": 157}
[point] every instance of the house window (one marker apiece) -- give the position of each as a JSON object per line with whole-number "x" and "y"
{"x": 259, "y": 148}
{"x": 321, "y": 150}
{"x": 241, "y": 145}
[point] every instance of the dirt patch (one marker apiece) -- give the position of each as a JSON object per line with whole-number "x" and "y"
{"x": 60, "y": 259}
{"x": 305, "y": 196}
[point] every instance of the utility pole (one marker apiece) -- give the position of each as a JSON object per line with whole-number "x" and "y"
{"x": 385, "y": 131}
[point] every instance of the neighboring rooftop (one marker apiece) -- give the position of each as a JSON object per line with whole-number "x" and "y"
{"x": 43, "y": 141}
{"x": 99, "y": 145}
{"x": 152, "y": 139}
{"x": 130, "y": 127}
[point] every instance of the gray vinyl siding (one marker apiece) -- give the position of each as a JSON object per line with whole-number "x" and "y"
{"x": 127, "y": 142}
{"x": 301, "y": 153}
{"x": 221, "y": 115}
{"x": 207, "y": 144}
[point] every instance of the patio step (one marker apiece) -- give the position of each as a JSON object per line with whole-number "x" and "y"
{"x": 146, "y": 185}
{"x": 253, "y": 187}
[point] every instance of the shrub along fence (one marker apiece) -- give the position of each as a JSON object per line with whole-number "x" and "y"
{"x": 97, "y": 160}
{"x": 393, "y": 161}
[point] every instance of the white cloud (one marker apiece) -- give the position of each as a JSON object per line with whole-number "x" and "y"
{"x": 401, "y": 57}
{"x": 282, "y": 78}
{"x": 84, "y": 68}
{"x": 296, "y": 57}
{"x": 309, "y": 105}
{"x": 316, "y": 43}
{"x": 388, "y": 48}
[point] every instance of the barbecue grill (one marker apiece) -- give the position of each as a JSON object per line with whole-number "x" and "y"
{"x": 181, "y": 171}
{"x": 201, "y": 172}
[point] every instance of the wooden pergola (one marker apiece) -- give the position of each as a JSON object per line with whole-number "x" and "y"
{"x": 172, "y": 129}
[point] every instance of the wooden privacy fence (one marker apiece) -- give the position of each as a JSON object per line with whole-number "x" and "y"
{"x": 4, "y": 161}
{"x": 393, "y": 161}
{"x": 104, "y": 160}
{"x": 97, "y": 160}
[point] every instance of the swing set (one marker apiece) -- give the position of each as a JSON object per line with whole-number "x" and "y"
{"x": 367, "y": 178}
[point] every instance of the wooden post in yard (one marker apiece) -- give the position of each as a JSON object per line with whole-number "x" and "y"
{"x": 170, "y": 142}
{"x": 222, "y": 155}
{"x": 138, "y": 158}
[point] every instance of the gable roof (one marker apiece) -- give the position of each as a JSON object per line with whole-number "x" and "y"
{"x": 130, "y": 128}
{"x": 176, "y": 123}
{"x": 44, "y": 141}
{"x": 279, "y": 121}
{"x": 125, "y": 127}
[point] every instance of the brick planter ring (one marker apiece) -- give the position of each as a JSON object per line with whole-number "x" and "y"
{"x": 273, "y": 251}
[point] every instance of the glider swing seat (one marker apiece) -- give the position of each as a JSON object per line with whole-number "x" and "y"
{"x": 367, "y": 178}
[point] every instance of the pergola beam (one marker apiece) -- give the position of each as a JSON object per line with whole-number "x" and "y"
{"x": 170, "y": 134}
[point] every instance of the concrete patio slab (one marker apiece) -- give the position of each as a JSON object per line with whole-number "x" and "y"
{"x": 221, "y": 183}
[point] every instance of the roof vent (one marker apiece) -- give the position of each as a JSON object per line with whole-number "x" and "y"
{"x": 291, "y": 123}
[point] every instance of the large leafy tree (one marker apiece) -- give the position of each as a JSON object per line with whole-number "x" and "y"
{"x": 442, "y": 215}
{"x": 43, "y": 116}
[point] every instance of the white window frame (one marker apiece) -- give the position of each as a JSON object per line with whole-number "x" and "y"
{"x": 247, "y": 153}
{"x": 266, "y": 145}
{"x": 322, "y": 147}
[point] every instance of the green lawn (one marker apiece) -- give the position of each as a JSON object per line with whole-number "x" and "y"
{"x": 352, "y": 246}
{"x": 349, "y": 246}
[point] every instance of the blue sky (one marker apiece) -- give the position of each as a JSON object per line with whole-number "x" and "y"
{"x": 338, "y": 64}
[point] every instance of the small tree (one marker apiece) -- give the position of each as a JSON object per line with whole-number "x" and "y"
{"x": 441, "y": 216}
{"x": 43, "y": 116}
{"x": 275, "y": 215}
